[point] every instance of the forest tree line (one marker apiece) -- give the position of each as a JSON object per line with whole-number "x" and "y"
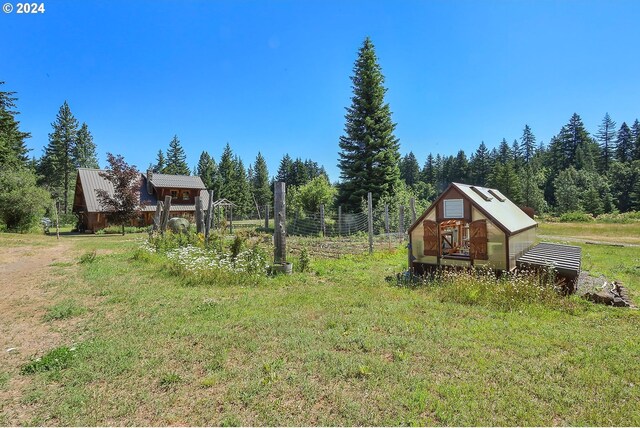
{"x": 577, "y": 170}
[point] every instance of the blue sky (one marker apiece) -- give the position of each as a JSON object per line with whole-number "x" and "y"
{"x": 273, "y": 76}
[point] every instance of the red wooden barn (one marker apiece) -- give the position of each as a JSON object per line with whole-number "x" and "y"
{"x": 470, "y": 226}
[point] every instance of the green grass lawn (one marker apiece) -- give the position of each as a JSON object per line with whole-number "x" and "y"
{"x": 336, "y": 346}
{"x": 626, "y": 233}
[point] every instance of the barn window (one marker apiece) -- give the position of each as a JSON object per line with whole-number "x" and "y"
{"x": 174, "y": 194}
{"x": 186, "y": 195}
{"x": 453, "y": 208}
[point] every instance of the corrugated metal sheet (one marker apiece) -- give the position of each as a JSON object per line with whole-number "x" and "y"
{"x": 565, "y": 259}
{"x": 176, "y": 181}
{"x": 91, "y": 180}
{"x": 500, "y": 207}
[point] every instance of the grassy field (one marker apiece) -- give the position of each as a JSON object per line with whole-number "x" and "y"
{"x": 336, "y": 346}
{"x": 625, "y": 233}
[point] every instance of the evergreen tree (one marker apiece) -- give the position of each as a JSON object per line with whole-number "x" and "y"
{"x": 369, "y": 150}
{"x": 624, "y": 144}
{"x": 459, "y": 168}
{"x": 409, "y": 169}
{"x": 504, "y": 152}
{"x": 58, "y": 164}
{"x": 285, "y": 170}
{"x": 532, "y": 193}
{"x": 206, "y": 170}
{"x": 528, "y": 145}
{"x": 85, "y": 149}
{"x": 176, "y": 159}
{"x": 480, "y": 166}
{"x": 260, "y": 182}
{"x": 566, "y": 190}
{"x": 606, "y": 135}
{"x": 13, "y": 149}
{"x": 299, "y": 175}
{"x": 504, "y": 178}
{"x": 429, "y": 171}
{"x": 314, "y": 170}
{"x": 241, "y": 189}
{"x": 516, "y": 152}
{"x": 635, "y": 131}
{"x": 624, "y": 179}
{"x": 161, "y": 163}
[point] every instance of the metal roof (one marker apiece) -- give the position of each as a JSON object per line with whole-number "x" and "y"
{"x": 565, "y": 259}
{"x": 176, "y": 181}
{"x": 91, "y": 180}
{"x": 498, "y": 206}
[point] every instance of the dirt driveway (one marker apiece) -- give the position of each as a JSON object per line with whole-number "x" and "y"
{"x": 25, "y": 271}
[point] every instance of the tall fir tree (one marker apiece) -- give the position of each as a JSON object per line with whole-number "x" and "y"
{"x": 480, "y": 165}
{"x": 635, "y": 131}
{"x": 369, "y": 155}
{"x": 459, "y": 168}
{"x": 13, "y": 149}
{"x": 624, "y": 144}
{"x": 606, "y": 136}
{"x": 85, "y": 149}
{"x": 528, "y": 145}
{"x": 176, "y": 159}
{"x": 161, "y": 163}
{"x": 58, "y": 164}
{"x": 504, "y": 153}
{"x": 206, "y": 169}
{"x": 241, "y": 190}
{"x": 260, "y": 181}
{"x": 226, "y": 173}
{"x": 285, "y": 170}
{"x": 409, "y": 169}
{"x": 428, "y": 173}
{"x": 517, "y": 157}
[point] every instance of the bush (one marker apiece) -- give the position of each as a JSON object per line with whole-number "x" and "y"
{"x": 117, "y": 230}
{"x": 628, "y": 217}
{"x": 576, "y": 217}
{"x": 22, "y": 202}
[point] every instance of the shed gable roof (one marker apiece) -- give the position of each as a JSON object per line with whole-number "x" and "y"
{"x": 493, "y": 204}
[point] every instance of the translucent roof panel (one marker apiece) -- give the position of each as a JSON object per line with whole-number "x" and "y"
{"x": 505, "y": 212}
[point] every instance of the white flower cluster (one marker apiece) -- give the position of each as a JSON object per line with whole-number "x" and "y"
{"x": 200, "y": 261}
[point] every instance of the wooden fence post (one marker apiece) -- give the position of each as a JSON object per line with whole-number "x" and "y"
{"x": 266, "y": 217}
{"x": 231, "y": 219}
{"x": 339, "y": 220}
{"x": 412, "y": 203}
{"x": 370, "y": 220}
{"x": 199, "y": 216}
{"x": 322, "y": 229}
{"x": 207, "y": 230}
{"x": 165, "y": 213}
{"x": 386, "y": 219}
{"x": 157, "y": 217}
{"x": 279, "y": 217}
{"x": 401, "y": 223}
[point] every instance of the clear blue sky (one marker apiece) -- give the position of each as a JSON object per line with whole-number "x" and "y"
{"x": 274, "y": 76}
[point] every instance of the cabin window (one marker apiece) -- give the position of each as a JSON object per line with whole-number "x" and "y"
{"x": 186, "y": 195}
{"x": 174, "y": 194}
{"x": 453, "y": 208}
{"x": 454, "y": 238}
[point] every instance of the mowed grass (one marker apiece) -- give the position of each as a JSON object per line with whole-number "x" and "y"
{"x": 624, "y": 233}
{"x": 336, "y": 346}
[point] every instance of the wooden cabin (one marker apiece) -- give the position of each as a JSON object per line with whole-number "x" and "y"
{"x": 153, "y": 188}
{"x": 470, "y": 226}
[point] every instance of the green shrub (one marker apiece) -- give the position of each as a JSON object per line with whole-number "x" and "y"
{"x": 575, "y": 217}
{"x": 56, "y": 359}
{"x": 305, "y": 260}
{"x": 628, "y": 217}
{"x": 117, "y": 230}
{"x": 22, "y": 202}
